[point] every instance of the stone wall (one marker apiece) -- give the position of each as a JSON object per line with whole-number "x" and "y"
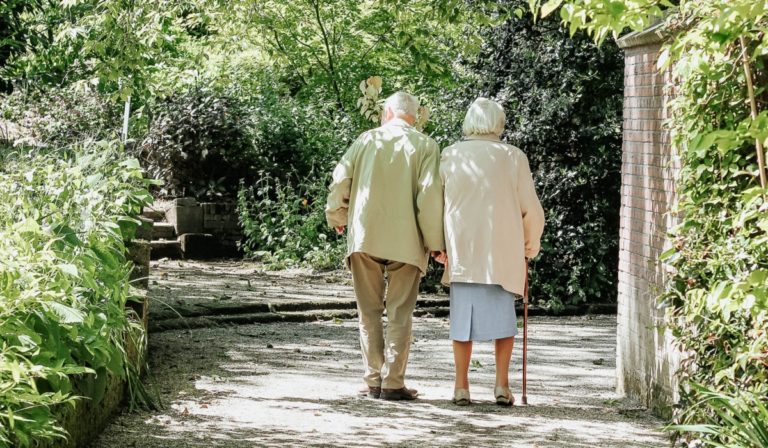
{"x": 646, "y": 360}
{"x": 88, "y": 417}
{"x": 205, "y": 230}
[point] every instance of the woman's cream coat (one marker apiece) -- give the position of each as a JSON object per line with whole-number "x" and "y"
{"x": 493, "y": 218}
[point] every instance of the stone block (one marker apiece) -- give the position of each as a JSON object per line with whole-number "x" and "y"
{"x": 185, "y": 218}
{"x": 163, "y": 231}
{"x": 165, "y": 249}
{"x": 185, "y": 202}
{"x": 199, "y": 246}
{"x": 153, "y": 214}
{"x": 139, "y": 254}
{"x": 219, "y": 208}
{"x": 139, "y": 302}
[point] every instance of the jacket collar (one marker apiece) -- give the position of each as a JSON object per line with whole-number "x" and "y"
{"x": 397, "y": 122}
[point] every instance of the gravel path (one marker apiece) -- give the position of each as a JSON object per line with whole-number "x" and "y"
{"x": 295, "y": 384}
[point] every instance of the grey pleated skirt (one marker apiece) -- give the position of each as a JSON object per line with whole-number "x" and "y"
{"x": 482, "y": 312}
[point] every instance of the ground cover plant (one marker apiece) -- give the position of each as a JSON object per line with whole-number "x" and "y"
{"x": 64, "y": 284}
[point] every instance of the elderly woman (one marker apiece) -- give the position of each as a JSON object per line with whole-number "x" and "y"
{"x": 493, "y": 225}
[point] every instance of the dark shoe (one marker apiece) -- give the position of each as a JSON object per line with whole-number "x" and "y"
{"x": 399, "y": 394}
{"x": 371, "y": 391}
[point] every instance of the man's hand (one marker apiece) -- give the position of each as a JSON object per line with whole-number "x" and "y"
{"x": 440, "y": 256}
{"x": 340, "y": 230}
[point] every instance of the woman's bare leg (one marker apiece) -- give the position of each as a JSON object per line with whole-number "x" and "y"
{"x": 503, "y": 356}
{"x": 462, "y": 354}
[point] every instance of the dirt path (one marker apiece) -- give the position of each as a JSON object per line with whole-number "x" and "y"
{"x": 295, "y": 384}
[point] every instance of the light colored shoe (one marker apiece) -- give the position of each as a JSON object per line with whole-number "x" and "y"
{"x": 461, "y": 397}
{"x": 503, "y": 396}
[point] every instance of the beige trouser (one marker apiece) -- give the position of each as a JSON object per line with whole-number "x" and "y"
{"x": 384, "y": 359}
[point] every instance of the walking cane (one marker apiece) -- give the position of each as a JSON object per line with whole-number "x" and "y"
{"x": 525, "y": 337}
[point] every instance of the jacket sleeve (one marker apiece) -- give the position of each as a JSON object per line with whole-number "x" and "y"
{"x": 533, "y": 213}
{"x": 429, "y": 200}
{"x": 337, "y": 207}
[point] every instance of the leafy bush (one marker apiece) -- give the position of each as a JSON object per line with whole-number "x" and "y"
{"x": 198, "y": 138}
{"x": 203, "y": 142}
{"x": 64, "y": 283}
{"x": 288, "y": 222}
{"x": 563, "y": 98}
{"x": 60, "y": 117}
{"x": 717, "y": 296}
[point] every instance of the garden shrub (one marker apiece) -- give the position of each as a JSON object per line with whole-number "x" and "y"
{"x": 203, "y": 142}
{"x": 60, "y": 117}
{"x": 198, "y": 144}
{"x": 563, "y": 98}
{"x": 287, "y": 221}
{"x": 64, "y": 283}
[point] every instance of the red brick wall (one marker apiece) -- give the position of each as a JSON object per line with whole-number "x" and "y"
{"x": 645, "y": 360}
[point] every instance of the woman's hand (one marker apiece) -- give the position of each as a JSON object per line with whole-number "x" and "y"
{"x": 440, "y": 256}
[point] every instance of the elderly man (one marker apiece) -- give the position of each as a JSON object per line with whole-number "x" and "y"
{"x": 387, "y": 189}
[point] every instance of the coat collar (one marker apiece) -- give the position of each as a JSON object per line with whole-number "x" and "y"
{"x": 488, "y": 137}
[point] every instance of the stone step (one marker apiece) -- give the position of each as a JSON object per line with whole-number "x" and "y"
{"x": 144, "y": 229}
{"x": 229, "y": 307}
{"x": 153, "y": 214}
{"x": 165, "y": 249}
{"x": 185, "y": 323}
{"x": 163, "y": 231}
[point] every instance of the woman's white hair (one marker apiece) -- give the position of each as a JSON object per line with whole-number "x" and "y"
{"x": 484, "y": 117}
{"x": 401, "y": 103}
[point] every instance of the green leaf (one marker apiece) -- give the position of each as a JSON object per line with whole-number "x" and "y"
{"x": 69, "y": 269}
{"x": 67, "y": 314}
{"x": 550, "y": 7}
{"x": 667, "y": 254}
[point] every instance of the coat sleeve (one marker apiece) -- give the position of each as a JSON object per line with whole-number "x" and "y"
{"x": 337, "y": 207}
{"x": 533, "y": 213}
{"x": 429, "y": 200}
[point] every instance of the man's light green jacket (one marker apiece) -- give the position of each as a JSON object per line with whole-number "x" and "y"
{"x": 386, "y": 189}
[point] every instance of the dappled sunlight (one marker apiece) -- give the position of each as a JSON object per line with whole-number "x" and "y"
{"x": 297, "y": 384}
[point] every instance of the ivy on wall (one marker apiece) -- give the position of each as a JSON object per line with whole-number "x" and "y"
{"x": 717, "y": 298}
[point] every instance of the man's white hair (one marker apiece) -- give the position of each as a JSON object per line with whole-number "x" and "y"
{"x": 484, "y": 117}
{"x": 401, "y": 103}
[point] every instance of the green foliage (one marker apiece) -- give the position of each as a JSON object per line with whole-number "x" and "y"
{"x": 115, "y": 44}
{"x": 740, "y": 420}
{"x": 198, "y": 138}
{"x": 64, "y": 283}
{"x": 563, "y": 101}
{"x": 717, "y": 297}
{"x": 59, "y": 117}
{"x": 288, "y": 221}
{"x": 325, "y": 48}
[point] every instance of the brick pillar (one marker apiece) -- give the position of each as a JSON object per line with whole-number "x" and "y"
{"x": 645, "y": 361}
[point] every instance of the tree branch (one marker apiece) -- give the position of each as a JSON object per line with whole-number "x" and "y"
{"x": 282, "y": 49}
{"x": 334, "y": 82}
{"x": 753, "y": 110}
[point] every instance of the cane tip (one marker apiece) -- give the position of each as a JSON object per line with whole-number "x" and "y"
{"x": 524, "y": 401}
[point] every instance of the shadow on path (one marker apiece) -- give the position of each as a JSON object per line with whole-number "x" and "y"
{"x": 295, "y": 384}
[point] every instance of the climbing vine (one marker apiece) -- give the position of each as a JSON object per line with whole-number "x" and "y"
{"x": 717, "y": 297}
